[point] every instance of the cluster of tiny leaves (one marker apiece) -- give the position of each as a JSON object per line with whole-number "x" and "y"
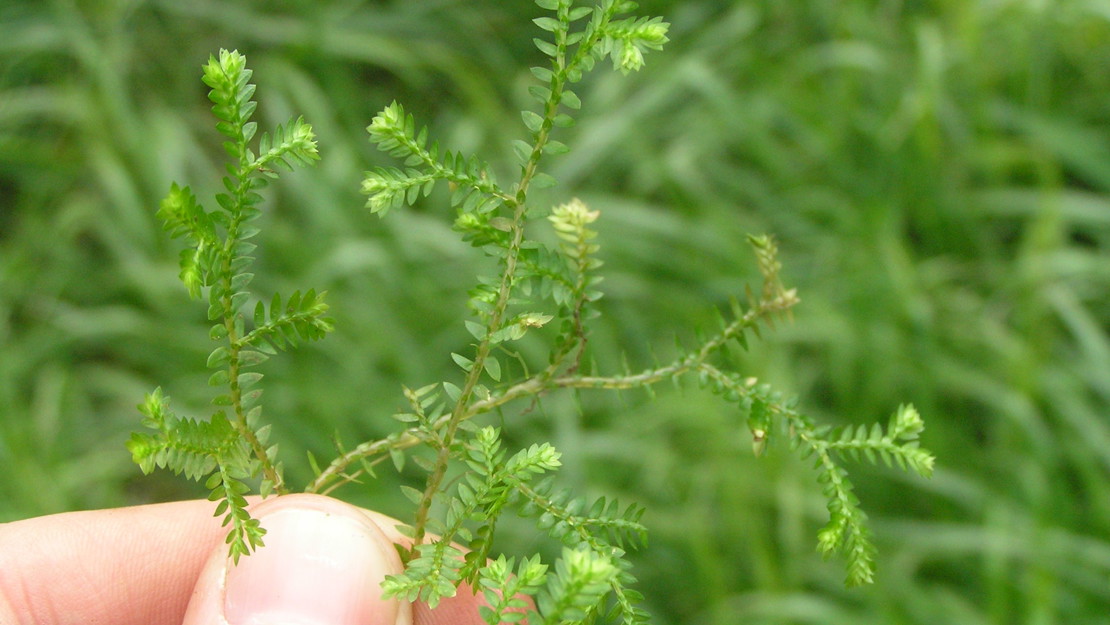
{"x": 231, "y": 446}
{"x": 536, "y": 285}
{"x": 506, "y": 306}
{"x": 846, "y": 532}
{"x": 591, "y": 535}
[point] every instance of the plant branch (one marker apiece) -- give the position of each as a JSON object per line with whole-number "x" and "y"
{"x": 543, "y": 382}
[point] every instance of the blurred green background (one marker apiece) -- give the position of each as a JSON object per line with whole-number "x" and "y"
{"x": 937, "y": 174}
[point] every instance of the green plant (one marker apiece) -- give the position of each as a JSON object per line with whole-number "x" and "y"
{"x": 540, "y": 292}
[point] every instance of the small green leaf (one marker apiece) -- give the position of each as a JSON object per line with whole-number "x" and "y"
{"x": 453, "y": 391}
{"x": 239, "y": 299}
{"x": 249, "y": 358}
{"x": 542, "y": 73}
{"x": 532, "y": 121}
{"x": 547, "y": 48}
{"x": 259, "y": 314}
{"x": 541, "y": 94}
{"x": 523, "y": 151}
{"x": 555, "y": 148}
{"x": 427, "y": 464}
{"x": 463, "y": 362}
{"x": 578, "y": 13}
{"x": 218, "y": 357}
{"x": 493, "y": 368}
{"x": 398, "y": 458}
{"x": 412, "y": 494}
{"x": 549, "y": 24}
{"x": 477, "y": 330}
{"x": 543, "y": 181}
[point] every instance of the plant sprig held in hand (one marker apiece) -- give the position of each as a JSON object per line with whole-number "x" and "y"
{"x": 231, "y": 446}
{"x": 536, "y": 285}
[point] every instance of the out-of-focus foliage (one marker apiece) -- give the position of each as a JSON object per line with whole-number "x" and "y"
{"x": 937, "y": 175}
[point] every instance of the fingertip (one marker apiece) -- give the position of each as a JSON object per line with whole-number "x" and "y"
{"x": 323, "y": 562}
{"x": 462, "y": 609}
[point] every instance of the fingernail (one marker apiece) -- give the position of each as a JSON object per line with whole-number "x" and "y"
{"x": 316, "y": 568}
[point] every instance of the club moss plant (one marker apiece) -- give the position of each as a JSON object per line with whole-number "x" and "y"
{"x": 545, "y": 286}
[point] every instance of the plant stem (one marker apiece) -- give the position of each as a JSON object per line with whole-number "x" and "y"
{"x": 459, "y": 413}
{"x": 235, "y": 392}
{"x": 519, "y": 205}
{"x": 333, "y": 476}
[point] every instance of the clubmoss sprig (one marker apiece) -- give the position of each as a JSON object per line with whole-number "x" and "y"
{"x": 232, "y": 445}
{"x": 537, "y": 288}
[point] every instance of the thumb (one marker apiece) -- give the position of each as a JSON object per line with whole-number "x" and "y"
{"x": 323, "y": 564}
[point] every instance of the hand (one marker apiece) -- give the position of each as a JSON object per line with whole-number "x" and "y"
{"x": 166, "y": 564}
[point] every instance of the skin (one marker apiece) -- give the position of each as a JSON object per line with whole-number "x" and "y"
{"x": 143, "y": 565}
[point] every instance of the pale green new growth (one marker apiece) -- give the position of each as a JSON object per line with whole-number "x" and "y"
{"x": 535, "y": 286}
